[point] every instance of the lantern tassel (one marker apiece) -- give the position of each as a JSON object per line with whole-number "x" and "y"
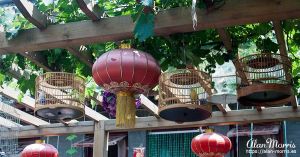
{"x": 125, "y": 111}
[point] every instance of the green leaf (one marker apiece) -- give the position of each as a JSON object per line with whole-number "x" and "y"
{"x": 266, "y": 45}
{"x": 144, "y": 26}
{"x": 93, "y": 103}
{"x": 2, "y": 78}
{"x": 27, "y": 84}
{"x": 71, "y": 137}
{"x": 71, "y": 151}
{"x": 20, "y": 97}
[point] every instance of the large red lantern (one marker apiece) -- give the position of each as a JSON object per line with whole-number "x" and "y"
{"x": 126, "y": 72}
{"x": 211, "y": 144}
{"x": 39, "y": 149}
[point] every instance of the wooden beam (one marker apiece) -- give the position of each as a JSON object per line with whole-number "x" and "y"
{"x": 94, "y": 114}
{"x": 14, "y": 94}
{"x": 283, "y": 51}
{"x": 84, "y": 127}
{"x": 149, "y": 106}
{"x": 100, "y": 147}
{"x": 218, "y": 118}
{"x": 31, "y": 13}
{"x": 8, "y": 123}
{"x": 274, "y": 114}
{"x": 226, "y": 39}
{"x": 90, "y": 9}
{"x": 25, "y": 117}
{"x": 82, "y": 54}
{"x": 166, "y": 22}
{"x": 38, "y": 59}
{"x": 224, "y": 108}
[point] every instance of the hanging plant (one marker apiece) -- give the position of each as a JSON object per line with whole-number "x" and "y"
{"x": 109, "y": 103}
{"x": 144, "y": 20}
{"x": 266, "y": 45}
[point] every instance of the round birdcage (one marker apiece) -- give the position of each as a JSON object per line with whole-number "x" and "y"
{"x": 268, "y": 80}
{"x": 224, "y": 89}
{"x": 59, "y": 96}
{"x": 183, "y": 95}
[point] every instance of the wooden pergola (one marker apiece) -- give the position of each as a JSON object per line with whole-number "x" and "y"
{"x": 73, "y": 36}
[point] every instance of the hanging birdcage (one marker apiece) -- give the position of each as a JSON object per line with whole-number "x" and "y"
{"x": 183, "y": 95}
{"x": 59, "y": 96}
{"x": 224, "y": 89}
{"x": 268, "y": 80}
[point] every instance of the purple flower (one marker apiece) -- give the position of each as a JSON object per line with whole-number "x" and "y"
{"x": 109, "y": 103}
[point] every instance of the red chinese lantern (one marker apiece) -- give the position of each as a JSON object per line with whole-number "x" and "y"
{"x": 126, "y": 72}
{"x": 211, "y": 144}
{"x": 39, "y": 149}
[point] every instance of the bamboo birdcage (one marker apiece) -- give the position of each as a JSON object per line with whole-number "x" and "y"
{"x": 182, "y": 95}
{"x": 268, "y": 80}
{"x": 59, "y": 96}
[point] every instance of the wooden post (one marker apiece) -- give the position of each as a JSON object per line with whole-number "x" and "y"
{"x": 283, "y": 51}
{"x": 100, "y": 148}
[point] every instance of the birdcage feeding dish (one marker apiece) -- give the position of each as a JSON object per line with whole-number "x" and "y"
{"x": 268, "y": 80}
{"x": 182, "y": 97}
{"x": 224, "y": 90}
{"x": 59, "y": 96}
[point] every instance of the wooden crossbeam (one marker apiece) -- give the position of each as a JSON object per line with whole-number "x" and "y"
{"x": 8, "y": 123}
{"x": 82, "y": 54}
{"x": 149, "y": 105}
{"x": 226, "y": 39}
{"x": 90, "y": 9}
{"x": 166, "y": 22}
{"x": 152, "y": 123}
{"x": 22, "y": 115}
{"x": 31, "y": 13}
{"x": 84, "y": 127}
{"x": 14, "y": 94}
{"x": 283, "y": 51}
{"x": 94, "y": 114}
{"x": 218, "y": 118}
{"x": 38, "y": 59}
{"x": 224, "y": 108}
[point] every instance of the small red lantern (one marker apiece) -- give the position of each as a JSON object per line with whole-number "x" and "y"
{"x": 126, "y": 72}
{"x": 211, "y": 144}
{"x": 39, "y": 149}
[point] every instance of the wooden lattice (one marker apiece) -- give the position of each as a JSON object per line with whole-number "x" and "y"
{"x": 268, "y": 82}
{"x": 59, "y": 96}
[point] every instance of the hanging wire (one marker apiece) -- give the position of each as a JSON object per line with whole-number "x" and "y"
{"x": 237, "y": 133}
{"x": 251, "y": 137}
{"x": 57, "y": 143}
{"x": 285, "y": 138}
